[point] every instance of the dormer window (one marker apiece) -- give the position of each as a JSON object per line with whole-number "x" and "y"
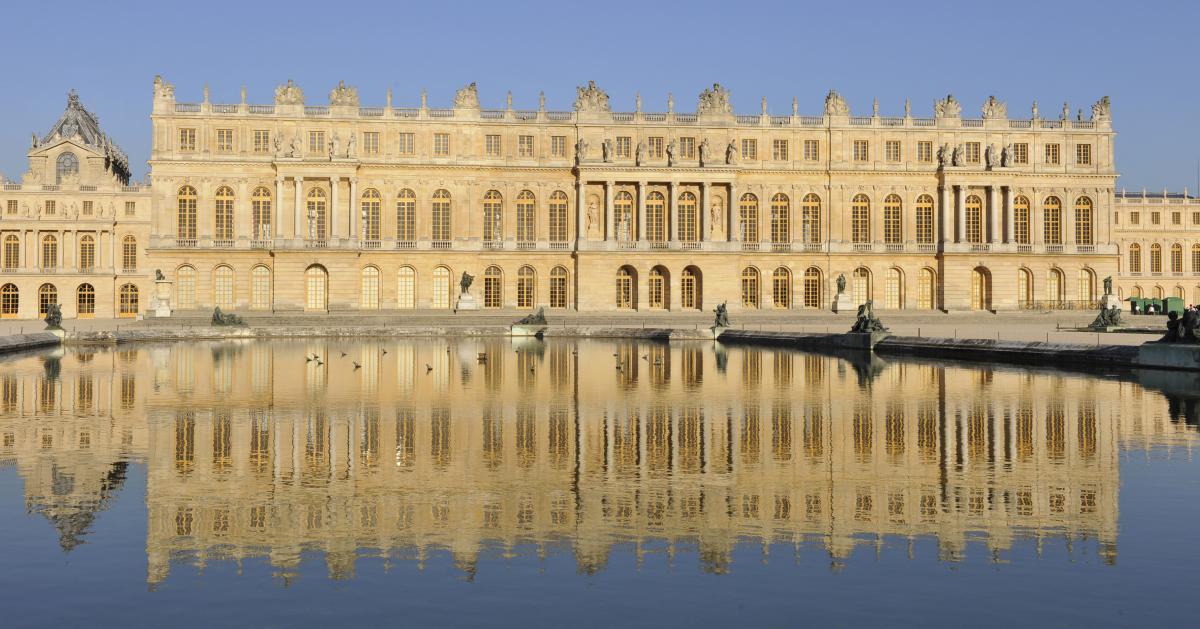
{"x": 68, "y": 164}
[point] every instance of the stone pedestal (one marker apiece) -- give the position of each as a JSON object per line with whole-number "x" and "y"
{"x": 161, "y": 302}
{"x": 466, "y": 301}
{"x": 59, "y": 332}
{"x": 716, "y": 331}
{"x": 860, "y": 340}
{"x": 1110, "y": 301}
{"x": 520, "y": 330}
{"x": 1169, "y": 355}
{"x": 842, "y": 303}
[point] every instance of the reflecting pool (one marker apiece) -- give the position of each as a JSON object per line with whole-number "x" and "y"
{"x": 459, "y": 482}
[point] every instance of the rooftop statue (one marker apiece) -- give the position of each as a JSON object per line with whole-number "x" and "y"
{"x": 343, "y": 95}
{"x": 162, "y": 89}
{"x": 947, "y": 107}
{"x": 1102, "y": 109}
{"x": 835, "y": 105}
{"x": 714, "y": 100}
{"x": 994, "y": 109}
{"x": 591, "y": 98}
{"x": 289, "y": 94}
{"x": 467, "y": 97}
{"x": 866, "y": 321}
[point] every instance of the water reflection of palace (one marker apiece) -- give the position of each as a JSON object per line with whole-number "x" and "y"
{"x": 254, "y": 451}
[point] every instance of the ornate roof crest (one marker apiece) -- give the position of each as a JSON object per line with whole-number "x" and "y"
{"x": 289, "y": 94}
{"x": 1102, "y": 109}
{"x": 994, "y": 109}
{"x": 162, "y": 89}
{"x": 948, "y": 107}
{"x": 591, "y": 98}
{"x": 467, "y": 97}
{"x": 343, "y": 95}
{"x": 714, "y": 100}
{"x": 835, "y": 105}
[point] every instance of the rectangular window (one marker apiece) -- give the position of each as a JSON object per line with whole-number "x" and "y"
{"x": 525, "y": 146}
{"x": 687, "y": 148}
{"x": 1083, "y": 154}
{"x": 12, "y": 206}
{"x": 187, "y": 139}
{"x": 1176, "y": 218}
{"x": 862, "y": 150}
{"x": 925, "y": 151}
{"x": 972, "y": 150}
{"x": 779, "y": 150}
{"x": 891, "y": 150}
{"x": 50, "y": 207}
{"x": 224, "y": 140}
{"x": 1196, "y": 218}
{"x": 441, "y": 144}
{"x": 262, "y": 141}
{"x": 749, "y": 148}
{"x": 1020, "y": 153}
{"x": 408, "y": 144}
{"x": 491, "y": 146}
{"x": 1052, "y": 156}
{"x": 1135, "y": 218}
{"x": 624, "y": 147}
{"x": 316, "y": 142}
{"x": 370, "y": 143}
{"x": 812, "y": 151}
{"x": 1155, "y": 218}
{"x": 558, "y": 146}
{"x": 87, "y": 208}
{"x": 654, "y": 146}
{"x": 130, "y": 208}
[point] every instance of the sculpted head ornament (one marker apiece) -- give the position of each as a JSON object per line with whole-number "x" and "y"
{"x": 591, "y": 98}
{"x": 835, "y": 105}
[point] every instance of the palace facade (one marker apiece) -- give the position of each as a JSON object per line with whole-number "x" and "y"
{"x": 298, "y": 207}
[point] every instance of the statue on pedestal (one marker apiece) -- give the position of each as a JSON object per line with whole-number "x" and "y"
{"x": 225, "y": 318}
{"x": 721, "y": 316}
{"x": 54, "y": 317}
{"x": 537, "y": 318}
{"x": 464, "y": 283}
{"x": 841, "y": 283}
{"x": 1108, "y": 285}
{"x": 866, "y": 321}
{"x": 1107, "y": 318}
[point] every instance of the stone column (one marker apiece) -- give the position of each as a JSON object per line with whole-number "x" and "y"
{"x": 701, "y": 223}
{"x": 995, "y": 216}
{"x": 334, "y": 210}
{"x": 355, "y": 226}
{"x": 671, "y": 218}
{"x": 961, "y": 212}
{"x": 610, "y": 221}
{"x": 242, "y": 218}
{"x": 276, "y": 212}
{"x": 944, "y": 209}
{"x": 641, "y": 211}
{"x": 580, "y": 220}
{"x": 1009, "y": 220}
{"x": 732, "y": 215}
{"x": 299, "y": 228}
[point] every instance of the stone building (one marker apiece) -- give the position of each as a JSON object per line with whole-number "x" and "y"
{"x": 1158, "y": 240}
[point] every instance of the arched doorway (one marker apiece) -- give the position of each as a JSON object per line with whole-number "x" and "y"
{"x": 85, "y": 301}
{"x": 893, "y": 292}
{"x": 690, "y": 289}
{"x": 659, "y": 289}
{"x": 316, "y": 288}
{"x": 493, "y": 287}
{"x": 1024, "y": 288}
{"x": 626, "y": 288}
{"x": 861, "y": 287}
{"x": 47, "y": 296}
{"x": 981, "y": 289}
{"x": 128, "y": 304}
{"x": 927, "y": 289}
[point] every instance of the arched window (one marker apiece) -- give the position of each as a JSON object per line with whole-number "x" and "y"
{"x": 1137, "y": 292}
{"x": 440, "y": 216}
{"x": 656, "y": 217}
{"x": 687, "y": 215}
{"x": 781, "y": 219}
{"x": 10, "y": 301}
{"x": 85, "y": 301}
{"x": 493, "y": 216}
{"x": 1158, "y": 292}
{"x": 860, "y": 219}
{"x": 1083, "y": 221}
{"x": 626, "y": 288}
{"x": 974, "y": 211}
{"x": 441, "y": 288}
{"x": 1196, "y": 259}
{"x": 1021, "y": 220}
{"x": 1087, "y": 285}
{"x": 87, "y": 253}
{"x": 368, "y": 298}
{"x": 1135, "y": 258}
{"x": 316, "y": 288}
{"x": 748, "y": 217}
{"x": 12, "y": 251}
{"x": 406, "y": 288}
{"x": 318, "y": 226}
{"x": 526, "y": 217}
{"x": 981, "y": 289}
{"x": 260, "y": 288}
{"x": 185, "y": 215}
{"x": 526, "y": 287}
{"x": 1179, "y": 292}
{"x": 127, "y": 306}
{"x": 372, "y": 210}
{"x": 1156, "y": 258}
{"x": 47, "y": 296}
{"x": 861, "y": 285}
{"x": 893, "y": 233}
{"x": 689, "y": 288}
{"x": 223, "y": 214}
{"x": 926, "y": 289}
{"x": 1055, "y": 288}
{"x": 750, "y": 287}
{"x": 66, "y": 164}
{"x": 406, "y": 215}
{"x": 223, "y": 287}
{"x": 558, "y": 287}
{"x": 1024, "y": 288}
{"x": 623, "y": 208}
{"x": 260, "y": 213}
{"x": 656, "y": 288}
{"x": 810, "y": 218}
{"x": 893, "y": 289}
{"x": 812, "y": 287}
{"x": 129, "y": 255}
{"x": 781, "y": 287}
{"x": 185, "y": 288}
{"x": 1176, "y": 258}
{"x": 493, "y": 287}
{"x": 924, "y": 219}
{"x": 558, "y": 216}
{"x": 1052, "y": 221}
{"x": 49, "y": 252}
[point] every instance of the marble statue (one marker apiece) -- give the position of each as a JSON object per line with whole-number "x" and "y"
{"x": 581, "y": 148}
{"x": 607, "y": 150}
{"x": 343, "y": 95}
{"x": 335, "y": 146}
{"x": 731, "y": 152}
{"x": 994, "y": 109}
{"x": 640, "y": 154}
{"x": 944, "y": 155}
{"x": 835, "y": 105}
{"x": 289, "y": 94}
{"x": 671, "y": 147}
{"x": 947, "y": 107}
{"x": 352, "y": 145}
{"x": 1102, "y": 109}
{"x": 591, "y": 98}
{"x": 991, "y": 156}
{"x": 956, "y": 158}
{"x": 1006, "y": 156}
{"x": 705, "y": 151}
{"x": 467, "y": 97}
{"x": 297, "y": 146}
{"x": 715, "y": 100}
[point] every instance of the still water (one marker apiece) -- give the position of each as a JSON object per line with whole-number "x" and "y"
{"x": 468, "y": 482}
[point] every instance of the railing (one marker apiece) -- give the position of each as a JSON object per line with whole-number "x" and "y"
{"x": 87, "y": 269}
{"x": 864, "y": 246}
{"x": 186, "y": 243}
{"x": 261, "y": 109}
{"x": 812, "y": 121}
{"x": 860, "y": 121}
{"x": 560, "y": 115}
{"x": 131, "y": 189}
{"x": 659, "y": 244}
{"x": 622, "y": 116}
{"x": 691, "y": 245}
{"x": 748, "y": 120}
{"x": 1083, "y": 124}
{"x": 781, "y": 121}
{"x": 316, "y": 110}
{"x": 371, "y": 112}
{"x": 627, "y": 244}
{"x": 439, "y": 244}
{"x": 372, "y": 244}
{"x": 654, "y": 117}
{"x": 894, "y": 247}
{"x": 222, "y": 243}
{"x": 1024, "y": 248}
{"x": 560, "y": 246}
{"x": 525, "y": 115}
{"x": 526, "y": 245}
{"x": 980, "y": 247}
{"x": 225, "y": 109}
{"x": 686, "y": 118}
{"x": 1054, "y": 248}
{"x": 406, "y": 112}
{"x": 51, "y": 188}
{"x": 440, "y": 113}
{"x": 1085, "y": 248}
{"x": 259, "y": 243}
{"x": 891, "y": 122}
{"x": 924, "y": 122}
{"x": 814, "y": 247}
{"x": 972, "y": 122}
{"x": 406, "y": 244}
{"x": 87, "y": 188}
{"x": 493, "y": 245}
{"x": 1020, "y": 124}
{"x": 1058, "y": 304}
{"x": 781, "y": 247}
{"x": 492, "y": 114}
{"x": 187, "y": 108}
{"x": 315, "y": 243}
{"x": 1050, "y": 124}
{"x": 749, "y": 246}
{"x": 927, "y": 247}
{"x": 12, "y": 186}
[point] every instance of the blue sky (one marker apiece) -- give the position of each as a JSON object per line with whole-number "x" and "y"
{"x": 1142, "y": 54}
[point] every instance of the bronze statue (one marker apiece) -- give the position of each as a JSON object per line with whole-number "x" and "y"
{"x": 225, "y": 318}
{"x": 54, "y": 317}
{"x": 537, "y": 318}
{"x": 1107, "y": 318}
{"x": 721, "y": 316}
{"x": 866, "y": 322}
{"x": 465, "y": 282}
{"x": 841, "y": 283}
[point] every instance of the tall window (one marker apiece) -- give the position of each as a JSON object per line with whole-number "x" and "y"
{"x": 49, "y": 252}
{"x": 66, "y": 165}
{"x": 974, "y": 210}
{"x": 1176, "y": 258}
{"x": 656, "y": 217}
{"x": 1083, "y": 221}
{"x": 493, "y": 287}
{"x": 781, "y": 287}
{"x": 748, "y": 217}
{"x": 892, "y": 233}
{"x": 440, "y": 215}
{"x": 926, "y": 286}
{"x": 10, "y": 301}
{"x": 223, "y": 214}
{"x": 656, "y": 288}
{"x": 316, "y": 143}
{"x": 860, "y": 219}
{"x": 1024, "y": 288}
{"x": 127, "y": 305}
{"x": 812, "y": 287}
{"x": 406, "y": 288}
{"x": 689, "y": 288}
{"x": 526, "y": 217}
{"x": 558, "y": 287}
{"x": 47, "y": 296}
{"x": 12, "y": 251}
{"x": 526, "y": 287}
{"x": 185, "y": 288}
{"x": 686, "y": 212}
{"x": 558, "y": 216}
{"x": 493, "y": 216}
{"x": 441, "y": 144}
{"x": 623, "y": 208}
{"x": 924, "y": 219}
{"x": 810, "y": 218}
{"x": 862, "y": 150}
{"x": 893, "y": 289}
{"x": 1087, "y": 285}
{"x": 317, "y": 224}
{"x": 85, "y": 301}
{"x": 368, "y": 297}
{"x": 260, "y": 213}
{"x": 861, "y": 285}
{"x": 260, "y": 288}
{"x": 87, "y": 253}
{"x": 1156, "y": 258}
{"x": 186, "y": 213}
{"x": 223, "y": 287}
{"x": 781, "y": 219}
{"x": 129, "y": 253}
{"x": 1055, "y": 286}
{"x": 1135, "y": 258}
{"x": 406, "y": 215}
{"x": 1021, "y": 220}
{"x": 372, "y": 208}
{"x": 1196, "y": 258}
{"x": 625, "y": 288}
{"x": 1052, "y": 219}
{"x": 750, "y": 290}
{"x": 224, "y": 140}
{"x": 441, "y": 287}
{"x": 262, "y": 141}
{"x": 408, "y": 143}
{"x": 316, "y": 282}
